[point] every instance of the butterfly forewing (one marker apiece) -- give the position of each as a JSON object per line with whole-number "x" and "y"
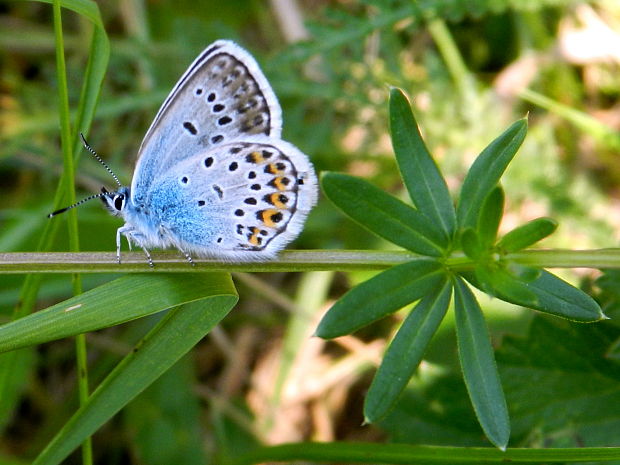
{"x": 223, "y": 96}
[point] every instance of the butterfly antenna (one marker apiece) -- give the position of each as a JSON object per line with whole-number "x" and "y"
{"x": 98, "y": 158}
{"x": 77, "y": 204}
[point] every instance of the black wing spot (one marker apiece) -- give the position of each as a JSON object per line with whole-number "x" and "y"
{"x": 217, "y": 139}
{"x": 218, "y": 190}
{"x": 236, "y": 150}
{"x": 224, "y": 120}
{"x": 240, "y": 229}
{"x": 211, "y": 97}
{"x": 190, "y": 128}
{"x": 251, "y": 201}
{"x": 218, "y": 107}
{"x": 239, "y": 212}
{"x": 251, "y": 175}
{"x": 209, "y": 162}
{"x": 300, "y": 181}
{"x": 201, "y": 203}
{"x": 184, "y": 179}
{"x": 219, "y": 239}
{"x": 233, "y": 166}
{"x": 255, "y": 187}
{"x": 199, "y": 91}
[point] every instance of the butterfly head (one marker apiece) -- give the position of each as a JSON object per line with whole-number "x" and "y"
{"x": 115, "y": 201}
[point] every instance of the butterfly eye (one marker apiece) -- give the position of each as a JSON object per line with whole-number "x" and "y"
{"x": 119, "y": 201}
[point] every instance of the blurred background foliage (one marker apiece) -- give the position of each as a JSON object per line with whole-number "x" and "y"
{"x": 471, "y": 68}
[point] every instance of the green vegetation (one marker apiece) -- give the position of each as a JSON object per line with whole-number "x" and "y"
{"x": 455, "y": 141}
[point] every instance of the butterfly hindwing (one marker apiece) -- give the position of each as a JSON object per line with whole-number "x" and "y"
{"x": 238, "y": 199}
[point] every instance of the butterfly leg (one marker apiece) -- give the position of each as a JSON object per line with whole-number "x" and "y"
{"x": 187, "y": 256}
{"x": 148, "y": 257}
{"x": 123, "y": 230}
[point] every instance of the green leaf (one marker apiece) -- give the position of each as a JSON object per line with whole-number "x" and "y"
{"x": 490, "y": 217}
{"x": 560, "y": 298}
{"x": 174, "y": 336}
{"x": 498, "y": 282}
{"x": 552, "y": 294}
{"x": 124, "y": 299}
{"x": 527, "y": 234}
{"x": 426, "y": 185}
{"x": 471, "y": 244}
{"x": 405, "y": 353}
{"x": 166, "y": 429}
{"x": 478, "y": 365}
{"x": 384, "y": 214}
{"x": 379, "y": 296}
{"x": 562, "y": 387}
{"x": 486, "y": 172}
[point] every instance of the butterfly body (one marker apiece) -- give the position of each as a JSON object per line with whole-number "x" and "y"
{"x": 213, "y": 177}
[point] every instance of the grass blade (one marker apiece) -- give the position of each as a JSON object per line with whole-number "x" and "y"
{"x": 118, "y": 301}
{"x": 174, "y": 336}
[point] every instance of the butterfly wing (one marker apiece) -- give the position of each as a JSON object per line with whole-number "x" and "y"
{"x": 244, "y": 200}
{"x": 221, "y": 97}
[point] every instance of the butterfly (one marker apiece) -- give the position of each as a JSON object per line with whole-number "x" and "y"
{"x": 213, "y": 176}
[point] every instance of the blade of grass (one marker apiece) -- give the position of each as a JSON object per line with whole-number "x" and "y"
{"x": 99, "y": 54}
{"x": 124, "y": 299}
{"x": 174, "y": 336}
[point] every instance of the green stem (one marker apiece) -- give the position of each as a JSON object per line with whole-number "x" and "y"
{"x": 291, "y": 261}
{"x": 361, "y": 452}
{"x": 69, "y": 169}
{"x": 583, "y": 121}
{"x": 451, "y": 55}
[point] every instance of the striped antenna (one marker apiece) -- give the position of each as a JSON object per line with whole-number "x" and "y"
{"x": 62, "y": 210}
{"x": 98, "y": 158}
{"x": 95, "y": 196}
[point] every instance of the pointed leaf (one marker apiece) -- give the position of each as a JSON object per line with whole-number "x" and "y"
{"x": 527, "y": 234}
{"x": 384, "y": 214}
{"x": 486, "y": 172}
{"x": 175, "y": 334}
{"x": 490, "y": 217}
{"x": 383, "y": 294}
{"x": 479, "y": 368}
{"x": 498, "y": 282}
{"x": 427, "y": 187}
{"x": 471, "y": 244}
{"x": 557, "y": 297}
{"x": 124, "y": 299}
{"x": 405, "y": 353}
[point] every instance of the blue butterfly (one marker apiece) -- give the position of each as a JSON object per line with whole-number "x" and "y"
{"x": 213, "y": 177}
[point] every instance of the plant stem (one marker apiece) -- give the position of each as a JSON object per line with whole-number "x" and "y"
{"x": 291, "y": 261}
{"x": 360, "y": 452}
{"x": 69, "y": 169}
